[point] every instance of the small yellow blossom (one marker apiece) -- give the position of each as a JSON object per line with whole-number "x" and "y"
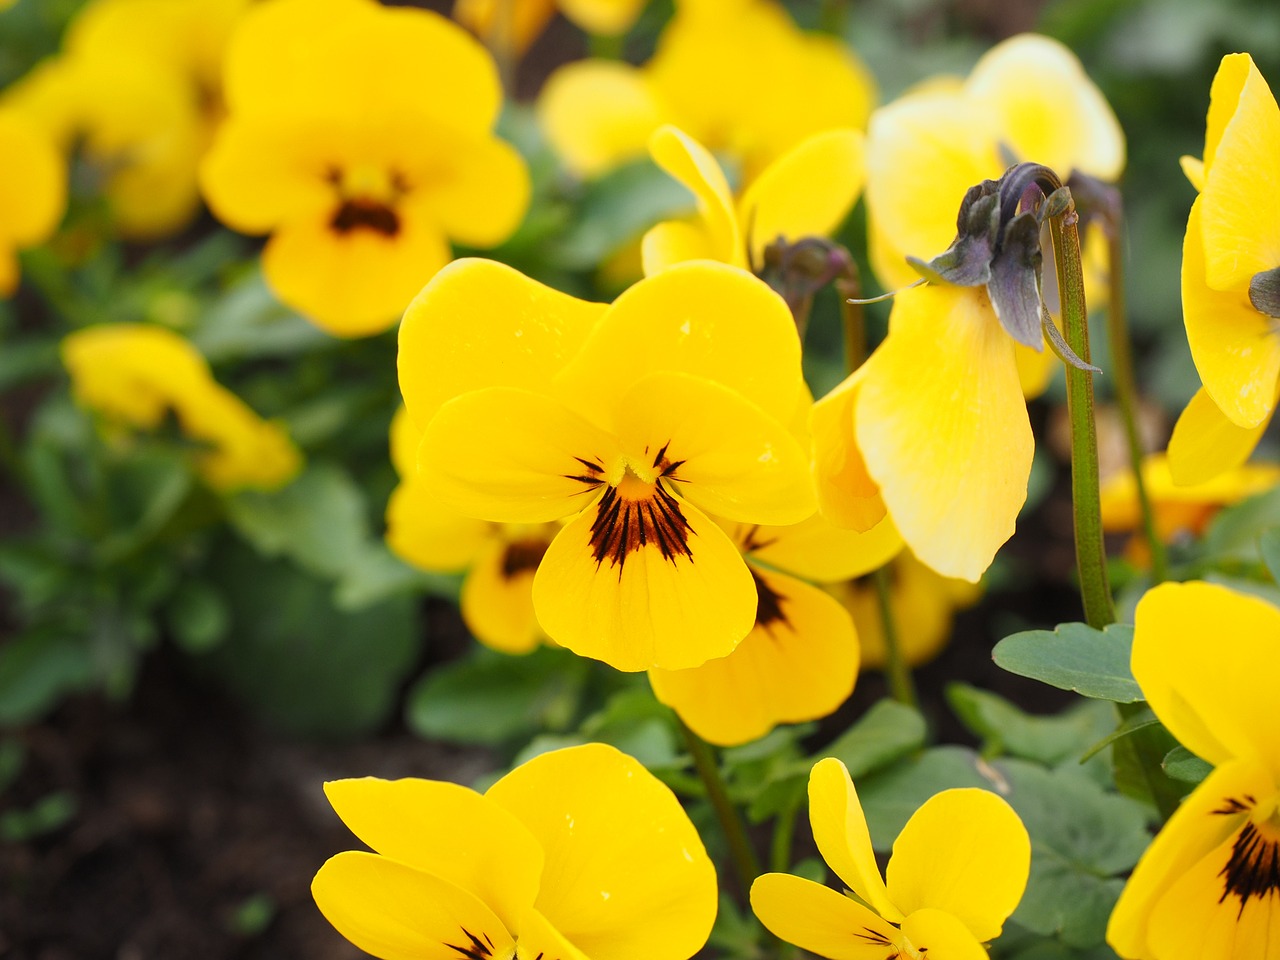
{"x": 1231, "y": 277}
{"x": 32, "y": 192}
{"x": 577, "y": 853}
{"x": 514, "y": 24}
{"x": 958, "y": 870}
{"x": 361, "y": 138}
{"x": 1208, "y": 887}
{"x": 744, "y": 82}
{"x": 135, "y": 375}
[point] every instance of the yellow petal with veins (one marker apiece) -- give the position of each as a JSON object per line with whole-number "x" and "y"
{"x": 1206, "y": 443}
{"x": 819, "y": 920}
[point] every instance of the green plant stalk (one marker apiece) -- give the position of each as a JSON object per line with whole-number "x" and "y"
{"x": 784, "y": 829}
{"x": 854, "y": 322}
{"x": 746, "y": 863}
{"x": 1126, "y": 392}
{"x": 606, "y": 47}
{"x": 901, "y": 685}
{"x": 1091, "y": 557}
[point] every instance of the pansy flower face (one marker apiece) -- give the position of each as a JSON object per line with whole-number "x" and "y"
{"x": 672, "y": 406}
{"x": 342, "y": 144}
{"x": 1231, "y": 277}
{"x": 32, "y": 192}
{"x": 1208, "y": 887}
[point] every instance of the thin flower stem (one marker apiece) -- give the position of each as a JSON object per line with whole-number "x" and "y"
{"x": 606, "y": 47}
{"x": 745, "y": 861}
{"x": 1091, "y": 557}
{"x": 784, "y": 829}
{"x": 853, "y": 320}
{"x": 901, "y": 685}
{"x": 1126, "y": 391}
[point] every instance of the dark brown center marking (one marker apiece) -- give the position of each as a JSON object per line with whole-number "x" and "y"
{"x": 522, "y": 556}
{"x": 475, "y": 948}
{"x": 768, "y": 603}
{"x": 358, "y": 212}
{"x": 1253, "y": 869}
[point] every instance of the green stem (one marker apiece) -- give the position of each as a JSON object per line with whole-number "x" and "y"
{"x": 833, "y": 16}
{"x": 853, "y": 320}
{"x": 605, "y": 46}
{"x": 784, "y": 828}
{"x": 900, "y": 683}
{"x": 1126, "y": 391}
{"x": 1091, "y": 557}
{"x": 745, "y": 861}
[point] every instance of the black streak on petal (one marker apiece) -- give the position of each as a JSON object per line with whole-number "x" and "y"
{"x": 768, "y": 604}
{"x": 368, "y": 214}
{"x": 623, "y": 526}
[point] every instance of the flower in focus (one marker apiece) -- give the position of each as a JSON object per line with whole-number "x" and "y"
{"x": 739, "y": 78}
{"x": 1231, "y": 277}
{"x": 800, "y": 660}
{"x": 342, "y": 144}
{"x": 806, "y": 192}
{"x": 512, "y": 25}
{"x": 1208, "y": 887}
{"x": 1178, "y": 510}
{"x": 631, "y": 422}
{"x": 577, "y": 853}
{"x": 499, "y": 559}
{"x": 135, "y": 375}
{"x": 32, "y": 192}
{"x": 958, "y": 870}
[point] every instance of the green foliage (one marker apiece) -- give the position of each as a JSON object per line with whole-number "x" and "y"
{"x": 1074, "y": 656}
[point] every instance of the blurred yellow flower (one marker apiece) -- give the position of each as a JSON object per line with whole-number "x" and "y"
{"x": 800, "y": 660}
{"x": 361, "y": 138}
{"x": 958, "y": 870}
{"x": 135, "y": 375}
{"x": 33, "y": 192}
{"x": 1208, "y": 887}
{"x": 577, "y": 853}
{"x": 514, "y": 24}
{"x": 635, "y": 421}
{"x": 741, "y": 79}
{"x": 1231, "y": 277}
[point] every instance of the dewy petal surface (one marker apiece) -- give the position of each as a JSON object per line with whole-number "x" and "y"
{"x": 951, "y": 450}
{"x": 446, "y": 830}
{"x": 693, "y": 165}
{"x": 480, "y": 323}
{"x": 1204, "y": 656}
{"x": 649, "y": 611}
{"x": 395, "y": 912}
{"x": 939, "y": 934}
{"x": 626, "y": 875}
{"x": 840, "y": 831}
{"x": 798, "y": 663}
{"x": 1236, "y": 349}
{"x": 964, "y": 852}
{"x": 1206, "y": 443}
{"x": 820, "y": 920}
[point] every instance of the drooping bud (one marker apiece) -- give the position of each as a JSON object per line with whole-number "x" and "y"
{"x": 1264, "y": 292}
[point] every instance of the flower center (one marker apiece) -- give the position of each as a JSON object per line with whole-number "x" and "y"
{"x": 1253, "y": 869}
{"x": 768, "y": 603}
{"x": 367, "y": 197}
{"x": 522, "y": 556}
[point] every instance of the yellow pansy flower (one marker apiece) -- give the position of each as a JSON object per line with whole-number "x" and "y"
{"x": 134, "y": 375}
{"x": 958, "y": 870}
{"x": 342, "y": 144}
{"x": 632, "y": 422}
{"x": 33, "y": 192}
{"x": 1208, "y": 887}
{"x": 1231, "y": 277}
{"x": 806, "y": 192}
{"x": 800, "y": 660}
{"x": 743, "y": 81}
{"x": 515, "y": 24}
{"x": 577, "y": 853}
{"x": 499, "y": 559}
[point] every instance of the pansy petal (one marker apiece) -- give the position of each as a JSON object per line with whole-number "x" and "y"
{"x": 798, "y": 663}
{"x": 1224, "y": 97}
{"x": 33, "y": 175}
{"x": 951, "y": 451}
{"x": 497, "y": 597}
{"x": 512, "y": 456}
{"x": 426, "y": 533}
{"x": 1206, "y": 444}
{"x": 937, "y": 933}
{"x": 1217, "y": 699}
{"x": 847, "y": 496}
{"x": 820, "y": 920}
{"x": 673, "y": 611}
{"x": 597, "y": 114}
{"x": 626, "y": 875}
{"x": 478, "y": 324}
{"x": 817, "y": 550}
{"x": 538, "y": 938}
{"x": 840, "y": 831}
{"x": 693, "y": 165}
{"x": 446, "y": 830}
{"x": 964, "y": 852}
{"x": 608, "y": 17}
{"x": 482, "y": 193}
{"x": 806, "y": 192}
{"x": 705, "y": 319}
{"x": 1035, "y": 369}
{"x": 674, "y": 241}
{"x": 395, "y": 912}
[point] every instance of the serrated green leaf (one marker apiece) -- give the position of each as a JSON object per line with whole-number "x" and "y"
{"x": 890, "y": 796}
{"x": 1074, "y": 656}
{"x": 1130, "y": 725}
{"x": 1181, "y": 764}
{"x": 887, "y": 731}
{"x": 1005, "y": 728}
{"x": 1233, "y": 534}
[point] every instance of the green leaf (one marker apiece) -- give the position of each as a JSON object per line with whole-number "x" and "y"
{"x": 50, "y": 813}
{"x": 1181, "y": 764}
{"x": 1004, "y": 728}
{"x": 197, "y": 616}
{"x": 490, "y": 698}
{"x": 887, "y": 731}
{"x": 250, "y": 322}
{"x": 1269, "y": 547}
{"x": 1139, "y": 720}
{"x": 890, "y": 796}
{"x": 380, "y": 574}
{"x": 143, "y": 494}
{"x": 38, "y": 669}
{"x": 1074, "y": 656}
{"x": 1233, "y": 534}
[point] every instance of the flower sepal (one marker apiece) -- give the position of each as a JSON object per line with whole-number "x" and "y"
{"x": 1264, "y": 292}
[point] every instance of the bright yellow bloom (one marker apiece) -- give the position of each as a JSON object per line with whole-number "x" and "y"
{"x": 958, "y": 870}
{"x": 577, "y": 853}
{"x": 32, "y": 192}
{"x": 806, "y": 192}
{"x": 514, "y": 24}
{"x": 800, "y": 660}
{"x": 135, "y": 375}
{"x": 1208, "y": 887}
{"x": 628, "y": 421}
{"x": 744, "y": 82}
{"x": 1231, "y": 277}
{"x": 361, "y": 138}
